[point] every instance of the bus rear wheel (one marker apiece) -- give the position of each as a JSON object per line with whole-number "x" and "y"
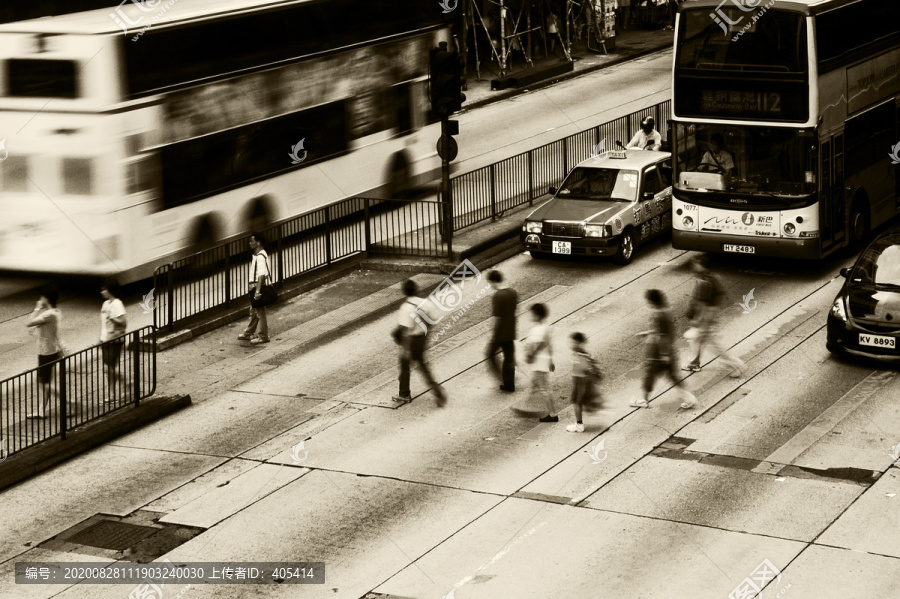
{"x": 859, "y": 223}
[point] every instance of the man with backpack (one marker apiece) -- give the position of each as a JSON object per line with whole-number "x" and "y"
{"x": 703, "y": 313}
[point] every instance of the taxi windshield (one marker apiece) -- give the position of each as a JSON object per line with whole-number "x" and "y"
{"x": 600, "y": 184}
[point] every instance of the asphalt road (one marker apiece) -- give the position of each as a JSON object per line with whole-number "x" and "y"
{"x": 787, "y": 468}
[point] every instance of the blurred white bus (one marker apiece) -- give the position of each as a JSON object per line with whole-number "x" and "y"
{"x": 138, "y": 134}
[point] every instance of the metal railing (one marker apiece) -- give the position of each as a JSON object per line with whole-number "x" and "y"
{"x": 488, "y": 192}
{"x": 77, "y": 389}
{"x": 218, "y": 276}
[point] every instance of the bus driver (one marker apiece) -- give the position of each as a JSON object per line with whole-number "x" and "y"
{"x": 717, "y": 159}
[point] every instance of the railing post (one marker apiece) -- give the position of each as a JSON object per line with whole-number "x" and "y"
{"x": 136, "y": 350}
{"x": 493, "y": 193}
{"x": 63, "y": 400}
{"x": 280, "y": 260}
{"x": 227, "y": 274}
{"x": 328, "y": 235}
{"x": 530, "y": 178}
{"x": 170, "y": 298}
{"x": 368, "y": 234}
{"x": 565, "y": 141}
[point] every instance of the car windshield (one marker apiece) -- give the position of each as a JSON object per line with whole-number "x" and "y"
{"x": 600, "y": 184}
{"x": 879, "y": 265}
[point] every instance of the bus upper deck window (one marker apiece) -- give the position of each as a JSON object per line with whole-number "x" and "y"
{"x": 78, "y": 176}
{"x": 30, "y": 78}
{"x": 15, "y": 173}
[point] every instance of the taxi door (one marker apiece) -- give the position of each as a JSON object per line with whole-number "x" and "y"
{"x": 655, "y": 201}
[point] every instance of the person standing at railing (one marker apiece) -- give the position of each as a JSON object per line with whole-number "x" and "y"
{"x": 257, "y": 330}
{"x": 113, "y": 325}
{"x": 46, "y": 318}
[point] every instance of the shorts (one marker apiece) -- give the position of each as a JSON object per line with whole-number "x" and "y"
{"x": 654, "y": 368}
{"x": 45, "y": 369}
{"x": 111, "y": 352}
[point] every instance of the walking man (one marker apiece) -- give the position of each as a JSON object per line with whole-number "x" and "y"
{"x": 257, "y": 330}
{"x": 504, "y": 310}
{"x": 113, "y": 325}
{"x": 661, "y": 358}
{"x": 410, "y": 334}
{"x": 46, "y": 319}
{"x": 703, "y": 313}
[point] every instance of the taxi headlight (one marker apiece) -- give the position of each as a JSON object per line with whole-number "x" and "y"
{"x": 837, "y": 309}
{"x": 531, "y": 226}
{"x": 597, "y": 230}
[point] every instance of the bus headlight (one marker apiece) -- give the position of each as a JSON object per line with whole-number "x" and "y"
{"x": 838, "y": 311}
{"x": 688, "y": 222}
{"x": 597, "y": 231}
{"x": 790, "y": 229}
{"x": 533, "y": 227}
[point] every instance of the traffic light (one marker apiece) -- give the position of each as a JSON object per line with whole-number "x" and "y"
{"x": 446, "y": 81}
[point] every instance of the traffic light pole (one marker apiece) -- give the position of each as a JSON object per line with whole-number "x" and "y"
{"x": 446, "y": 191}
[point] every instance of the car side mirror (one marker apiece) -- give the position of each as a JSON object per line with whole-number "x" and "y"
{"x": 845, "y": 272}
{"x": 553, "y": 191}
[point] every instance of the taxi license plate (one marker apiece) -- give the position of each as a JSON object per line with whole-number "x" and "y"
{"x": 877, "y": 341}
{"x": 740, "y": 249}
{"x": 562, "y": 247}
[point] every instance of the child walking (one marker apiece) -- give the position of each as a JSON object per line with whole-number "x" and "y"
{"x": 585, "y": 375}
{"x": 661, "y": 359}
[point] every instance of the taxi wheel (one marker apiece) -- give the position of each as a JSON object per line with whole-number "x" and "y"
{"x": 539, "y": 255}
{"x": 626, "y": 248}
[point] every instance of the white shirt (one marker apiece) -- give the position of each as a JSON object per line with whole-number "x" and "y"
{"x": 723, "y": 157}
{"x": 640, "y": 140}
{"x": 409, "y": 316}
{"x": 113, "y": 308}
{"x": 538, "y": 334}
{"x": 259, "y": 265}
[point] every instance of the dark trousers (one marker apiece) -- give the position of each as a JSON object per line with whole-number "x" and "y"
{"x": 414, "y": 351}
{"x": 507, "y": 373}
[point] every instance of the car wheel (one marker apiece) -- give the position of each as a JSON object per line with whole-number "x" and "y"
{"x": 538, "y": 255}
{"x": 626, "y": 248}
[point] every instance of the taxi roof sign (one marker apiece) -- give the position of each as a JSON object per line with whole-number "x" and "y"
{"x": 617, "y": 154}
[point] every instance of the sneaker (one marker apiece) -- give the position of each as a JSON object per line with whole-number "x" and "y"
{"x": 575, "y": 428}
{"x": 687, "y": 405}
{"x": 549, "y": 418}
{"x": 691, "y": 368}
{"x": 639, "y": 403}
{"x": 507, "y": 389}
{"x": 402, "y": 398}
{"x": 259, "y": 340}
{"x": 245, "y": 337}
{"x": 737, "y": 373}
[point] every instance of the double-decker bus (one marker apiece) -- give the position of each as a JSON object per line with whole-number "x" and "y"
{"x": 785, "y": 113}
{"x": 142, "y": 132}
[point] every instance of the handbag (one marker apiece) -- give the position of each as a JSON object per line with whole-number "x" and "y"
{"x": 267, "y": 295}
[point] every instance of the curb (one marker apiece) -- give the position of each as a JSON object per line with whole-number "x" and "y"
{"x": 507, "y": 94}
{"x": 46, "y": 455}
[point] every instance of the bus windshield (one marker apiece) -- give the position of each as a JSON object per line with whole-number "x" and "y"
{"x": 769, "y": 162}
{"x": 775, "y": 41}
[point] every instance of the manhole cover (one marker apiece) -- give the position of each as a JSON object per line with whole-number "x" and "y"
{"x": 107, "y": 534}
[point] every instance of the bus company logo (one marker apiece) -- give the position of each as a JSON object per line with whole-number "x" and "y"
{"x": 122, "y": 19}
{"x": 4, "y": 153}
{"x": 295, "y": 152}
{"x": 446, "y": 6}
{"x": 895, "y": 153}
{"x": 747, "y": 219}
{"x": 599, "y": 152}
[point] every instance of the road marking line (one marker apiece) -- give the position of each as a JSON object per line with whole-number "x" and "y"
{"x": 830, "y": 418}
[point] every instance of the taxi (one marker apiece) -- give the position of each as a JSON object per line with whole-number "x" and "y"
{"x": 607, "y": 206}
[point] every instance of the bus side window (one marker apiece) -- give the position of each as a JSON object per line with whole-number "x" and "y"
{"x": 825, "y": 199}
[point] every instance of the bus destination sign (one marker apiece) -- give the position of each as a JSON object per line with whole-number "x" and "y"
{"x": 741, "y": 102}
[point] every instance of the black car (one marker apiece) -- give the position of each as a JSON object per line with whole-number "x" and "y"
{"x": 865, "y": 317}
